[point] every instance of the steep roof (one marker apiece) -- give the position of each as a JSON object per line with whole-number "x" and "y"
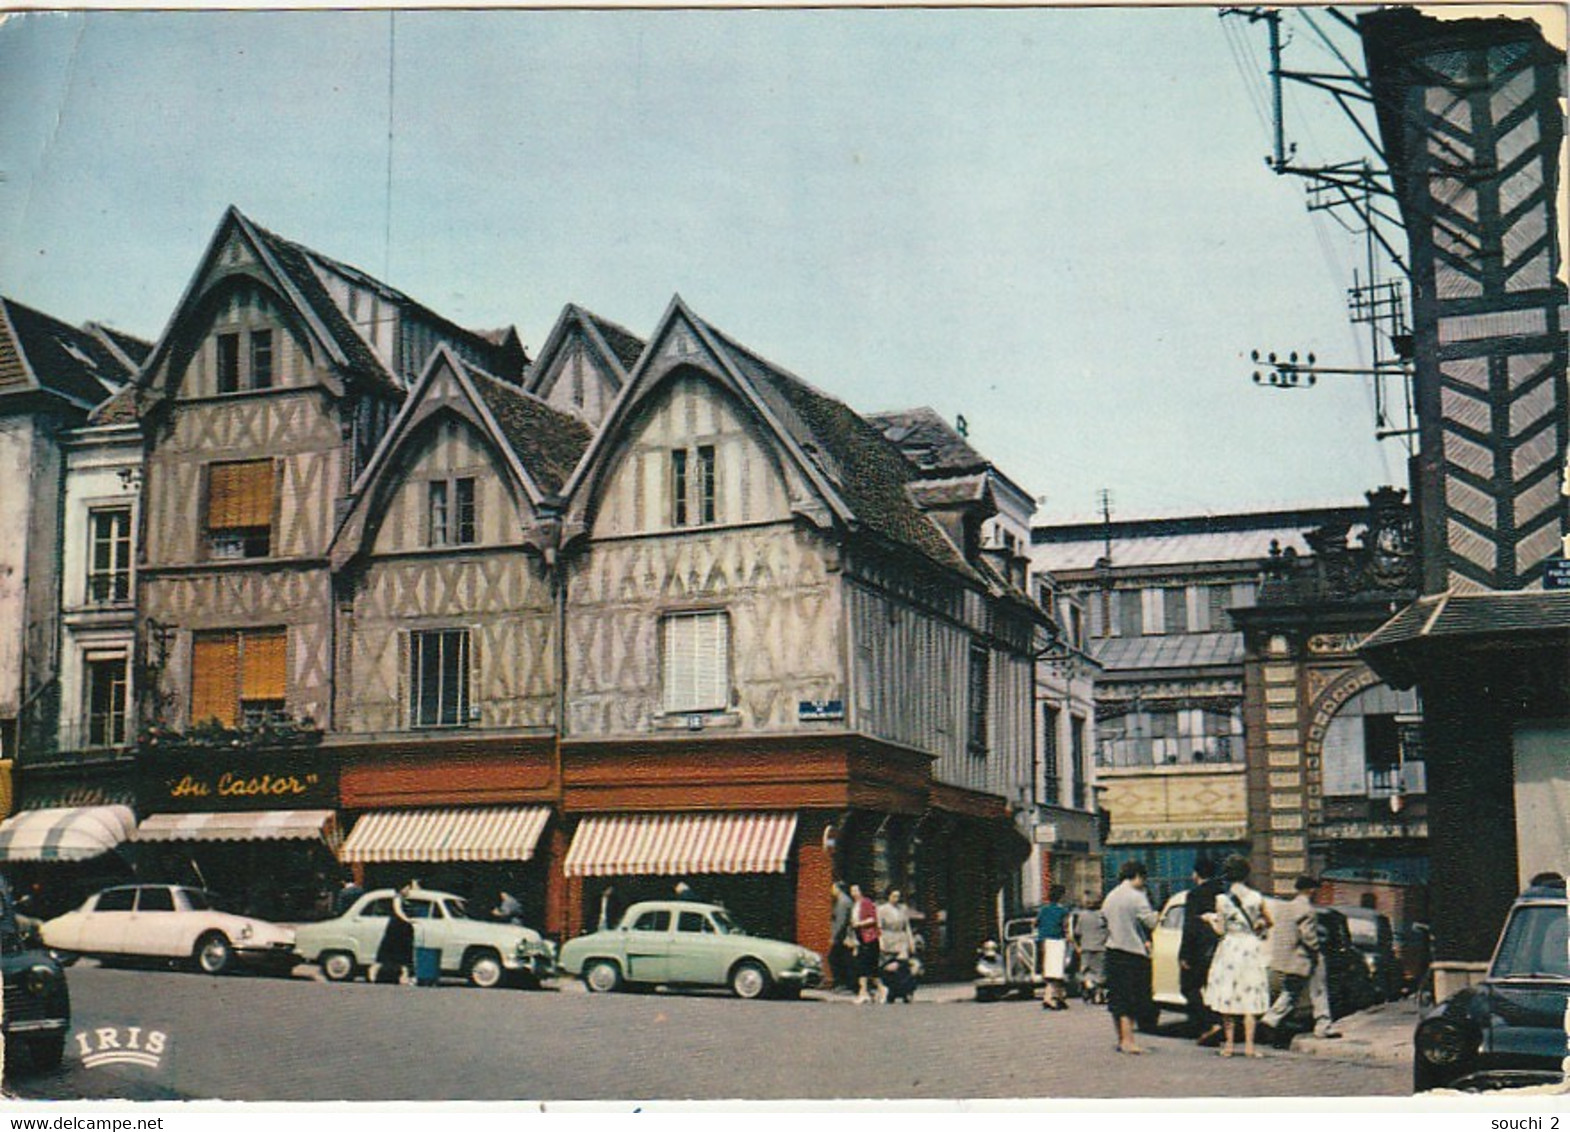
{"x": 929, "y": 442}
{"x": 546, "y": 441}
{"x": 626, "y": 345}
{"x": 39, "y": 353}
{"x": 869, "y": 472}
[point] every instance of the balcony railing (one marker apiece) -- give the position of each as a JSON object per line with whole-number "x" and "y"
{"x": 99, "y": 735}
{"x": 1184, "y": 750}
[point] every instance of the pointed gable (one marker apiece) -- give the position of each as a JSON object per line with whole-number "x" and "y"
{"x": 536, "y": 446}
{"x": 860, "y": 479}
{"x": 584, "y": 364}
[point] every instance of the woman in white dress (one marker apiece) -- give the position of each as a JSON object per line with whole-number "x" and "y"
{"x": 1239, "y": 983}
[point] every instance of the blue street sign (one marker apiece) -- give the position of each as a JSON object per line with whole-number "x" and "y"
{"x": 1556, "y": 574}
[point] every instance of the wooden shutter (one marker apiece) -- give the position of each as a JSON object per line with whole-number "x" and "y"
{"x": 697, "y": 662}
{"x": 214, "y": 678}
{"x": 262, "y": 669}
{"x": 240, "y": 496}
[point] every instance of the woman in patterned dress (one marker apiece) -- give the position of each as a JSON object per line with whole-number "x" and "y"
{"x": 1239, "y": 983}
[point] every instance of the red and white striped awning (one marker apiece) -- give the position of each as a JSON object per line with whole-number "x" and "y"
{"x": 259, "y": 825}
{"x": 492, "y": 833}
{"x": 77, "y": 833}
{"x": 671, "y": 844}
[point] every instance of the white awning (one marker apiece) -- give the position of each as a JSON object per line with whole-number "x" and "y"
{"x": 673, "y": 844}
{"x": 262, "y": 825}
{"x": 78, "y": 833}
{"x": 491, "y": 833}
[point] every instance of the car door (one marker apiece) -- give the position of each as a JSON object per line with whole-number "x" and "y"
{"x": 102, "y": 930}
{"x": 648, "y": 942}
{"x": 156, "y": 926}
{"x": 1166, "y": 941}
{"x": 697, "y": 950}
{"x": 430, "y": 928}
{"x": 367, "y": 923}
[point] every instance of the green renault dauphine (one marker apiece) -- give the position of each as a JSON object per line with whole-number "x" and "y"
{"x": 684, "y": 943}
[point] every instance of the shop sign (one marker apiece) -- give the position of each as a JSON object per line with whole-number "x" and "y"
{"x": 209, "y": 781}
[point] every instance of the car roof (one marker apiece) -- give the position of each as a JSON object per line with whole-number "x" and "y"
{"x": 417, "y": 894}
{"x": 688, "y": 905}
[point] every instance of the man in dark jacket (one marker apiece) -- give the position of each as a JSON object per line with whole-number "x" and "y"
{"x": 841, "y": 958}
{"x": 1198, "y": 946}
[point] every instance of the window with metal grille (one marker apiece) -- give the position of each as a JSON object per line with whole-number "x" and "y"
{"x": 696, "y": 669}
{"x": 1051, "y": 783}
{"x": 106, "y": 702}
{"x": 239, "y": 677}
{"x": 439, "y": 678}
{"x": 240, "y": 509}
{"x": 980, "y": 698}
{"x": 109, "y": 574}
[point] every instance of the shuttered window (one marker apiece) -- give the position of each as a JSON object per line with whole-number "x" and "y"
{"x": 239, "y": 678}
{"x": 240, "y": 509}
{"x": 697, "y": 662}
{"x": 980, "y": 698}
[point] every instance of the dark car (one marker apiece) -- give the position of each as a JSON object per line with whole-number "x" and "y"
{"x": 37, "y": 1008}
{"x": 1508, "y": 1029}
{"x": 1347, "y": 976}
{"x": 1373, "y": 935}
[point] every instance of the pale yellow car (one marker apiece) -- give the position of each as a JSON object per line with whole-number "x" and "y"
{"x": 1166, "y": 984}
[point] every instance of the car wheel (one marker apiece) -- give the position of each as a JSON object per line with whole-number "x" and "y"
{"x": 214, "y": 954}
{"x": 47, "y": 1053}
{"x": 486, "y": 970}
{"x": 339, "y": 967}
{"x": 749, "y": 980}
{"x": 602, "y": 976}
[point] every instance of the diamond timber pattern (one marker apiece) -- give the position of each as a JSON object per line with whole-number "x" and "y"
{"x": 1482, "y": 132}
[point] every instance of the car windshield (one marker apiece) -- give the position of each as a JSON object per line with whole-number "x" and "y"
{"x": 1534, "y": 944}
{"x": 725, "y": 924}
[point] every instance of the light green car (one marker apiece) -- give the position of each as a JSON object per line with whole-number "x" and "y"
{"x": 488, "y": 954}
{"x": 682, "y": 943}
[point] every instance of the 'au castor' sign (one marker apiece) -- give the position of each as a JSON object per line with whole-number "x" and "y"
{"x": 250, "y": 782}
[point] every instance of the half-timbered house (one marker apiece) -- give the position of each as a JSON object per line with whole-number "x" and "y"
{"x": 779, "y": 667}
{"x": 449, "y": 675}
{"x": 275, "y": 379}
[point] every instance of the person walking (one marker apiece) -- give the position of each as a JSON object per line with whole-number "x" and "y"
{"x": 1238, "y": 987}
{"x": 1198, "y": 947}
{"x": 1130, "y": 920}
{"x": 1089, "y": 934}
{"x": 1295, "y": 951}
{"x": 896, "y": 948}
{"x": 1052, "y": 942}
{"x": 840, "y": 954}
{"x": 864, "y": 922}
{"x": 395, "y": 954}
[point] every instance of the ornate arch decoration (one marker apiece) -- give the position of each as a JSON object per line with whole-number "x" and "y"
{"x": 1329, "y": 704}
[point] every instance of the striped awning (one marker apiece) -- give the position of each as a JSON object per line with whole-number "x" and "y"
{"x": 492, "y": 833}
{"x": 261, "y": 825}
{"x": 671, "y": 844}
{"x": 77, "y": 833}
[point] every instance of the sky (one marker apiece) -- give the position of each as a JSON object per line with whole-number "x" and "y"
{"x": 1058, "y": 224}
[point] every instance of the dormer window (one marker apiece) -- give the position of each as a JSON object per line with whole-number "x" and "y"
{"x": 451, "y": 512}
{"x": 248, "y": 368}
{"x": 261, "y": 359}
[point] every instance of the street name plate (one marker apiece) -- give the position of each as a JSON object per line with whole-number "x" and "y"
{"x": 1556, "y": 574}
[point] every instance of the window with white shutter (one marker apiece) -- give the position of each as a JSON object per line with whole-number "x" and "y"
{"x": 697, "y": 662}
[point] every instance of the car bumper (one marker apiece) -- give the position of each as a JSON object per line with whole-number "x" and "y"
{"x": 266, "y": 955}
{"x": 805, "y": 977}
{"x": 541, "y": 966}
{"x": 36, "y": 1025}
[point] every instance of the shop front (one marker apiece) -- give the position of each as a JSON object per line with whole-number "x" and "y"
{"x": 468, "y": 814}
{"x": 257, "y": 828}
{"x": 478, "y": 852}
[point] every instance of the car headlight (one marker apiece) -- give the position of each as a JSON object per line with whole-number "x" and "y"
{"x": 40, "y": 980}
{"x": 810, "y": 958}
{"x": 1441, "y": 1042}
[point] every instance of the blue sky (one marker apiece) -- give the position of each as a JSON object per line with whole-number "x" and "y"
{"x": 1056, "y": 223}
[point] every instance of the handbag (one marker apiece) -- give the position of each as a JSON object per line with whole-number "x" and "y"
{"x": 1258, "y": 927}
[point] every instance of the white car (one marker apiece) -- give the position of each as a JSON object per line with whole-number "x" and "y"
{"x": 164, "y": 921}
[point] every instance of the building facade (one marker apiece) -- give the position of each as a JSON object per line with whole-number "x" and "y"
{"x": 1471, "y": 121}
